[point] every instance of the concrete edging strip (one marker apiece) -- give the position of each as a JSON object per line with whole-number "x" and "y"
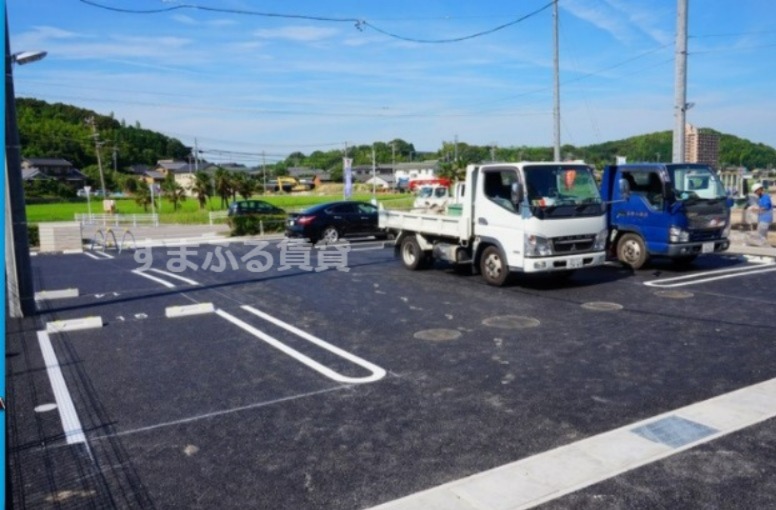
{"x": 74, "y": 324}
{"x": 555, "y": 473}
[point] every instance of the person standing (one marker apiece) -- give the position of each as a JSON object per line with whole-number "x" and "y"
{"x": 764, "y": 213}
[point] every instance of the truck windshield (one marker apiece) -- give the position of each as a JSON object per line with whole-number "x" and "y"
{"x": 696, "y": 181}
{"x": 562, "y": 190}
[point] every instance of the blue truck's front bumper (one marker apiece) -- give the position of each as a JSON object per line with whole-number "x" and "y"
{"x": 694, "y": 248}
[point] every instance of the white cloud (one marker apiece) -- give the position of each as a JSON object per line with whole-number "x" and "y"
{"x": 297, "y": 33}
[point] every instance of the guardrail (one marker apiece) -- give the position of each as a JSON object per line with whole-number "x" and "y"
{"x": 214, "y": 216}
{"x": 118, "y": 219}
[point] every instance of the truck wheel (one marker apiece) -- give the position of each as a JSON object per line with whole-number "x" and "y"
{"x": 493, "y": 266}
{"x": 632, "y": 251}
{"x": 330, "y": 235}
{"x": 412, "y": 256}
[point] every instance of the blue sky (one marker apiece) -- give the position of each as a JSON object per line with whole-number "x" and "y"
{"x": 244, "y": 83}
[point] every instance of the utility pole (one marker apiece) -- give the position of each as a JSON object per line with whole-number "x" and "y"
{"x": 20, "y": 293}
{"x": 264, "y": 172}
{"x": 97, "y": 145}
{"x": 374, "y": 176}
{"x": 680, "y": 86}
{"x": 556, "y": 87}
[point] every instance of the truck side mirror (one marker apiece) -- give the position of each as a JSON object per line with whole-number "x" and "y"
{"x": 625, "y": 190}
{"x": 517, "y": 193}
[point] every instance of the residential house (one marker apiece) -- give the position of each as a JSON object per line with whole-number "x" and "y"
{"x": 53, "y": 168}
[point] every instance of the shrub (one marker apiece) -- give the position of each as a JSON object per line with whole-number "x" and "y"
{"x": 33, "y": 235}
{"x": 255, "y": 225}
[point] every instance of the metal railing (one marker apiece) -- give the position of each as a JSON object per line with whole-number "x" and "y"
{"x": 118, "y": 219}
{"x": 214, "y": 216}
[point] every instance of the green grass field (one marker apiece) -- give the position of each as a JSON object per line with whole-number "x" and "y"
{"x": 189, "y": 212}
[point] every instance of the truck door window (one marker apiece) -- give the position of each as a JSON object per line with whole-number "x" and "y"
{"x": 647, "y": 185}
{"x": 498, "y": 187}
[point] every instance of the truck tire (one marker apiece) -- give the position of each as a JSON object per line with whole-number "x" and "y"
{"x": 412, "y": 256}
{"x": 632, "y": 251}
{"x": 493, "y": 266}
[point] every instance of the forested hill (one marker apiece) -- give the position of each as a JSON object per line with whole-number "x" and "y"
{"x": 657, "y": 146}
{"x": 61, "y": 131}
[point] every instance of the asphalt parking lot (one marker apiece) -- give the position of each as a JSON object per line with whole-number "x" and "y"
{"x": 337, "y": 379}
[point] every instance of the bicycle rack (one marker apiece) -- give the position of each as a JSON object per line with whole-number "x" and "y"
{"x": 105, "y": 244}
{"x": 124, "y": 238}
{"x": 104, "y": 236}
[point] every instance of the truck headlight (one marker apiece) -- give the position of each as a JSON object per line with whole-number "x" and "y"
{"x": 537, "y": 246}
{"x": 600, "y": 240}
{"x": 677, "y": 235}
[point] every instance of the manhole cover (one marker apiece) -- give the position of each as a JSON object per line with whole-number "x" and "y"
{"x": 438, "y": 335}
{"x": 511, "y": 322}
{"x": 674, "y": 294}
{"x": 602, "y": 306}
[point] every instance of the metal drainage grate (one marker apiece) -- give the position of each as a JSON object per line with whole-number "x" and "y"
{"x": 674, "y": 431}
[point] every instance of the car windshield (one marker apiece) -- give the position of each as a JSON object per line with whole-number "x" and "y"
{"x": 696, "y": 181}
{"x": 425, "y": 192}
{"x": 562, "y": 190}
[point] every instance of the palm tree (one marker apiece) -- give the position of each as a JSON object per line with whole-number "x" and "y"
{"x": 223, "y": 185}
{"x": 244, "y": 185}
{"x": 201, "y": 188}
{"x": 174, "y": 191}
{"x": 143, "y": 195}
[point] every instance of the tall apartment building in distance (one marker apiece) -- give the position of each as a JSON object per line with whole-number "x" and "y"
{"x": 701, "y": 147}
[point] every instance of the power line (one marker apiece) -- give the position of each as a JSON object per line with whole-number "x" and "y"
{"x": 357, "y": 22}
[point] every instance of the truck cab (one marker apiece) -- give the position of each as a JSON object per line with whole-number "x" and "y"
{"x": 675, "y": 210}
{"x": 524, "y": 217}
{"x": 543, "y": 217}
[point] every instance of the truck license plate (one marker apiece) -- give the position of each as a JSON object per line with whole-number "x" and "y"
{"x": 707, "y": 248}
{"x": 575, "y": 263}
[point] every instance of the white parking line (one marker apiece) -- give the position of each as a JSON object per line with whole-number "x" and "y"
{"x": 174, "y": 275}
{"x": 550, "y": 475}
{"x": 710, "y": 276}
{"x": 70, "y": 423}
{"x": 153, "y": 278}
{"x": 377, "y": 373}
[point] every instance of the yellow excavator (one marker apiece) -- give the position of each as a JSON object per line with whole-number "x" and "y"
{"x": 289, "y": 184}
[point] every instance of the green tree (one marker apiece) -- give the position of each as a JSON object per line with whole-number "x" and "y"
{"x": 223, "y": 186}
{"x": 201, "y": 188}
{"x": 244, "y": 185}
{"x": 143, "y": 195}
{"x": 173, "y": 191}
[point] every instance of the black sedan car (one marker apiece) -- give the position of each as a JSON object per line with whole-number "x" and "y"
{"x": 252, "y": 207}
{"x": 331, "y": 221}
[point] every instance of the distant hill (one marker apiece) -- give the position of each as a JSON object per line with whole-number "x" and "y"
{"x": 657, "y": 146}
{"x": 60, "y": 130}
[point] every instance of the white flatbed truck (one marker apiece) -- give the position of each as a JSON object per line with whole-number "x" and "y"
{"x": 529, "y": 217}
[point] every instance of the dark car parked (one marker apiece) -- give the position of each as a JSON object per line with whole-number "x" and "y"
{"x": 251, "y": 207}
{"x": 331, "y": 221}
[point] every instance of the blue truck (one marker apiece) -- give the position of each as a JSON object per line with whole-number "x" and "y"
{"x": 675, "y": 210}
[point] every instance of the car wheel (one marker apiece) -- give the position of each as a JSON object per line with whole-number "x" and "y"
{"x": 330, "y": 235}
{"x": 412, "y": 256}
{"x": 493, "y": 266}
{"x": 632, "y": 251}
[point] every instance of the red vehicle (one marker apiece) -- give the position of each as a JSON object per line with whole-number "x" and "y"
{"x": 442, "y": 181}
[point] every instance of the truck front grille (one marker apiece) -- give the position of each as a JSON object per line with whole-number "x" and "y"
{"x": 572, "y": 244}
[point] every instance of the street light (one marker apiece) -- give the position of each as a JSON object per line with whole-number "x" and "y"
{"x": 21, "y": 298}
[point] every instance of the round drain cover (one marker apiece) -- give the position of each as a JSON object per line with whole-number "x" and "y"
{"x": 438, "y": 335}
{"x": 602, "y": 306}
{"x": 511, "y": 322}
